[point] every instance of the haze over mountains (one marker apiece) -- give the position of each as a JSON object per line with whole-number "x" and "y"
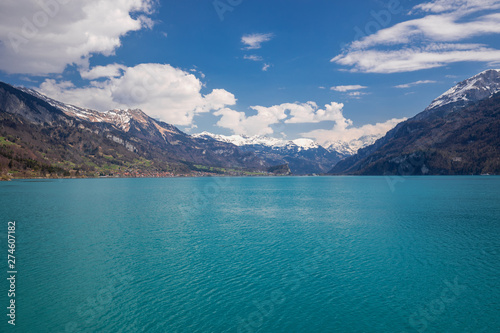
{"x": 457, "y": 134}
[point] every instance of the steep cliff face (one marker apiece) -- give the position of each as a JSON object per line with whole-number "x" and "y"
{"x": 32, "y": 109}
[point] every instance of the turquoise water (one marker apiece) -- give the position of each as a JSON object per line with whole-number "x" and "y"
{"x": 312, "y": 254}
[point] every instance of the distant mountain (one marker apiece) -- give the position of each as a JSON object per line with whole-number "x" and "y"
{"x": 303, "y": 156}
{"x": 41, "y": 136}
{"x": 459, "y": 133}
{"x": 349, "y": 148}
{"x": 258, "y": 140}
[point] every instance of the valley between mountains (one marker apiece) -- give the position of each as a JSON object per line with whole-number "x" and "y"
{"x": 459, "y": 133}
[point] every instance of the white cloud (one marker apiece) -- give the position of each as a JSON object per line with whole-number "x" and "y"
{"x": 42, "y": 37}
{"x": 299, "y": 113}
{"x": 344, "y": 132}
{"x": 310, "y": 113}
{"x": 441, "y": 6}
{"x": 412, "y": 84}
{"x": 160, "y": 90}
{"x": 416, "y": 58}
{"x": 217, "y": 99}
{"x": 113, "y": 70}
{"x": 433, "y": 40}
{"x": 348, "y": 88}
{"x": 436, "y": 28}
{"x": 259, "y": 124}
{"x": 253, "y": 57}
{"x": 356, "y": 94}
{"x": 286, "y": 113}
{"x": 254, "y": 41}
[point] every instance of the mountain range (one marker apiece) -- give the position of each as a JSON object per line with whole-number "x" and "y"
{"x": 41, "y": 137}
{"x": 458, "y": 133}
{"x": 304, "y": 156}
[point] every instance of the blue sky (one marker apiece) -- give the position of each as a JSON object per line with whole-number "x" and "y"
{"x": 326, "y": 70}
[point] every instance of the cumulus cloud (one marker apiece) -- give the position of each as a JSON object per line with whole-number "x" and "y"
{"x": 254, "y": 41}
{"x": 217, "y": 99}
{"x": 412, "y": 84}
{"x": 298, "y": 113}
{"x": 310, "y": 113}
{"x": 286, "y": 113}
{"x": 344, "y": 132}
{"x": 160, "y": 90}
{"x": 259, "y": 124}
{"x": 348, "y": 88}
{"x": 434, "y": 40}
{"x": 42, "y": 37}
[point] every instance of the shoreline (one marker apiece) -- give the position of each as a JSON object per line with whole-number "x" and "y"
{"x": 152, "y": 177}
{"x": 241, "y": 176}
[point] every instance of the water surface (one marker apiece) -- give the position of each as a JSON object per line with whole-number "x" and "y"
{"x": 284, "y": 254}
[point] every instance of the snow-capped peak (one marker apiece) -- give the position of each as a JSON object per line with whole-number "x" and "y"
{"x": 476, "y": 88}
{"x": 243, "y": 140}
{"x": 118, "y": 117}
{"x": 306, "y": 143}
{"x": 351, "y": 147}
{"x": 343, "y": 147}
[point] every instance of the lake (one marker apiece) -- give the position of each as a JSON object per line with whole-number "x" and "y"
{"x": 271, "y": 254}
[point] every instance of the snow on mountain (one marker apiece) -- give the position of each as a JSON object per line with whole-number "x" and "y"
{"x": 119, "y": 118}
{"x": 303, "y": 156}
{"x": 352, "y": 147}
{"x": 243, "y": 140}
{"x": 305, "y": 144}
{"x": 345, "y": 148}
{"x": 71, "y": 133}
{"x": 476, "y": 88}
{"x": 456, "y": 135}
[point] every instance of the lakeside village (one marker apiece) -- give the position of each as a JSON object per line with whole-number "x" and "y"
{"x": 135, "y": 173}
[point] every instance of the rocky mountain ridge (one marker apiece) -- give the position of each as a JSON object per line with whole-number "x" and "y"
{"x": 459, "y": 133}
{"x": 37, "y": 133}
{"x": 304, "y": 156}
